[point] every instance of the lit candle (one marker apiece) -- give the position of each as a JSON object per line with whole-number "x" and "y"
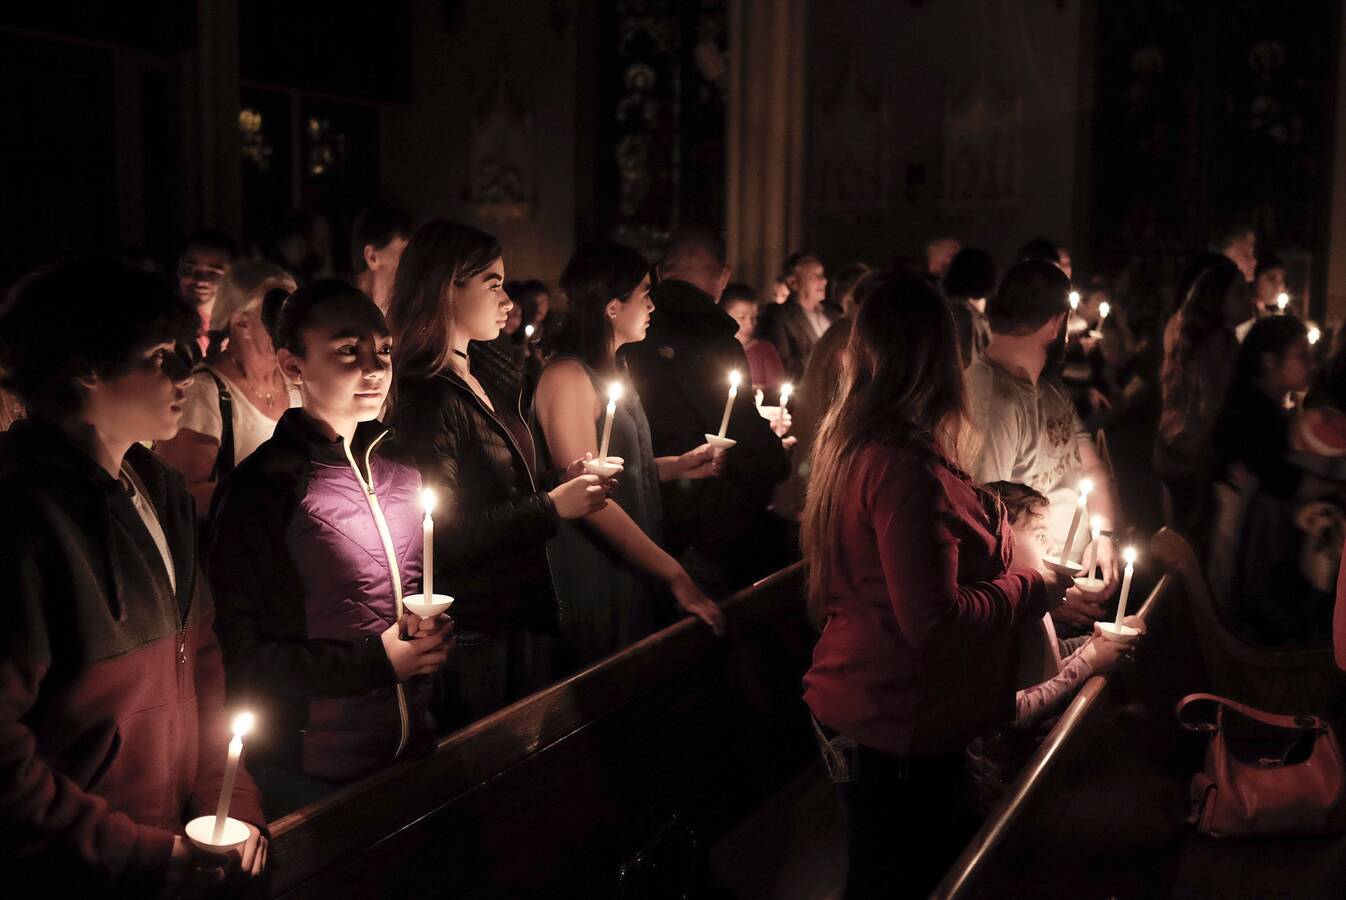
{"x": 614, "y": 394}
{"x": 427, "y": 546}
{"x": 1085, "y": 487}
{"x": 242, "y": 725}
{"x": 1091, "y": 554}
{"x": 1104, "y": 309}
{"x": 734, "y": 379}
{"x": 1129, "y": 554}
{"x": 785, "y": 391}
{"x": 1282, "y": 301}
{"x": 1074, "y": 300}
{"x": 528, "y": 331}
{"x": 1314, "y": 335}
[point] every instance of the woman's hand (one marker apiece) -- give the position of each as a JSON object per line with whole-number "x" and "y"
{"x": 193, "y": 872}
{"x": 1103, "y": 654}
{"x": 702, "y": 462}
{"x": 579, "y": 497}
{"x": 1057, "y": 585}
{"x": 692, "y": 600}
{"x": 423, "y": 653}
{"x": 1080, "y": 610}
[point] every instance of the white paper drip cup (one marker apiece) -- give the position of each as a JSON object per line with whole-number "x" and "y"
{"x": 1119, "y": 634}
{"x": 417, "y": 603}
{"x": 720, "y": 443}
{"x": 605, "y": 467}
{"x": 201, "y": 831}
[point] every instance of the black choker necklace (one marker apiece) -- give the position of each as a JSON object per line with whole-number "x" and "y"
{"x": 457, "y": 352}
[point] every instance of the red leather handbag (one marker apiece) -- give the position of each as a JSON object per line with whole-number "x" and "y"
{"x": 1264, "y": 774}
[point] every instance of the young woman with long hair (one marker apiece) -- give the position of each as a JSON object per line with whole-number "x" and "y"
{"x": 1200, "y": 351}
{"x": 609, "y": 566}
{"x": 911, "y": 579}
{"x": 455, "y": 405}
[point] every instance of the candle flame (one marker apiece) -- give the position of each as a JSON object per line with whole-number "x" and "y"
{"x": 243, "y": 723}
{"x": 1282, "y": 300}
{"x": 427, "y": 500}
{"x": 1086, "y": 487}
{"x": 528, "y": 330}
{"x": 614, "y": 392}
{"x": 1104, "y": 309}
{"x": 785, "y": 391}
{"x": 1096, "y": 525}
{"x": 734, "y": 378}
{"x": 1074, "y": 299}
{"x": 1129, "y": 554}
{"x": 1314, "y": 335}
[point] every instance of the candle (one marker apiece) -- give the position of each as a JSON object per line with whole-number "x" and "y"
{"x": 1085, "y": 487}
{"x": 785, "y": 391}
{"x": 1091, "y": 554}
{"x": 528, "y": 331}
{"x": 1104, "y": 309}
{"x": 1074, "y": 300}
{"x": 242, "y": 725}
{"x": 614, "y": 394}
{"x": 1314, "y": 335}
{"x": 1282, "y": 301}
{"x": 428, "y": 546}
{"x": 1129, "y": 554}
{"x": 734, "y": 379}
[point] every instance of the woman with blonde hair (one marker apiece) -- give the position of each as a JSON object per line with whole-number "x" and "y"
{"x": 238, "y": 394}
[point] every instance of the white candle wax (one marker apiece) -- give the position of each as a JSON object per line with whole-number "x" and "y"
{"x": 1091, "y": 554}
{"x": 1130, "y": 555}
{"x": 242, "y": 724}
{"x": 1085, "y": 487}
{"x": 428, "y": 546}
{"x": 734, "y": 379}
{"x": 614, "y": 394}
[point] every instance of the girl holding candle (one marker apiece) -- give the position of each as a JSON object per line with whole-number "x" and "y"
{"x": 455, "y": 405}
{"x": 113, "y": 732}
{"x": 912, "y": 577}
{"x": 609, "y": 567}
{"x": 318, "y": 537}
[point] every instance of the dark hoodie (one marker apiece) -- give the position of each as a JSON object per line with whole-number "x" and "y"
{"x": 112, "y": 731}
{"x": 305, "y": 591}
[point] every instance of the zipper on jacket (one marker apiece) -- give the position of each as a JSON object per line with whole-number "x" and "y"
{"x": 394, "y": 570}
{"x": 509, "y": 435}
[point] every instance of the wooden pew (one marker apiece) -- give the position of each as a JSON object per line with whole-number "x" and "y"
{"x": 1100, "y": 810}
{"x": 546, "y": 797}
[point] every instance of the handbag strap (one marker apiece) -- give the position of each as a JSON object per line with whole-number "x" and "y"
{"x": 1208, "y": 726}
{"x": 224, "y": 457}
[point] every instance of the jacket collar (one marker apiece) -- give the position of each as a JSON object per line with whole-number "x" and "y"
{"x": 297, "y": 432}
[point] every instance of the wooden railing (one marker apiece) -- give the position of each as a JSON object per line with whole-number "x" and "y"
{"x": 547, "y": 796}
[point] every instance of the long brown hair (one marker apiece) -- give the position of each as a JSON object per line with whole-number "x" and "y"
{"x": 440, "y": 257}
{"x": 902, "y": 381}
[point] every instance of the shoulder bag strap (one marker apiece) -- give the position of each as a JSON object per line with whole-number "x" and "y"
{"x": 1197, "y": 724}
{"x": 224, "y": 459}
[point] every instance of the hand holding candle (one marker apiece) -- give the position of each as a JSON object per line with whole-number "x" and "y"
{"x": 243, "y": 723}
{"x": 614, "y": 394}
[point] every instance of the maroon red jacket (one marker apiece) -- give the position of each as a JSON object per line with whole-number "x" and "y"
{"x": 915, "y": 655}
{"x": 112, "y": 728}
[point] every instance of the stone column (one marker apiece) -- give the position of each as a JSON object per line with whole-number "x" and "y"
{"x": 764, "y": 183}
{"x": 210, "y": 117}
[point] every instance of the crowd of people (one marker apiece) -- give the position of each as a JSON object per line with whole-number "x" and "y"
{"x": 222, "y": 489}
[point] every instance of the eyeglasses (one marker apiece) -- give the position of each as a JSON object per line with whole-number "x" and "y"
{"x": 210, "y": 274}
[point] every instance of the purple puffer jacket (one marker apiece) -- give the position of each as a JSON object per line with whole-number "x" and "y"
{"x": 305, "y": 589}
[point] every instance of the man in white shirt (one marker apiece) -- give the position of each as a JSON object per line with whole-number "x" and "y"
{"x": 1030, "y": 431}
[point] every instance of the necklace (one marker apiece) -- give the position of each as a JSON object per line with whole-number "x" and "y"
{"x": 266, "y": 397}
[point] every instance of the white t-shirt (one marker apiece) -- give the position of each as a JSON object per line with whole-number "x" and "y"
{"x": 145, "y": 508}
{"x": 252, "y": 427}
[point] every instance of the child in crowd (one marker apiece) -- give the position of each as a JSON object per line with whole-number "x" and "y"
{"x": 1050, "y": 670}
{"x": 317, "y": 539}
{"x": 767, "y": 371}
{"x": 113, "y": 728}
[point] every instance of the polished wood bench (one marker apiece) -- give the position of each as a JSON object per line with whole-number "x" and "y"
{"x": 547, "y": 796}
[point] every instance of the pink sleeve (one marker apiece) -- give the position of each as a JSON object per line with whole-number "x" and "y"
{"x": 911, "y": 512}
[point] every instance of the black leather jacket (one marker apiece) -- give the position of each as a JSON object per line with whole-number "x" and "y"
{"x": 494, "y": 515}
